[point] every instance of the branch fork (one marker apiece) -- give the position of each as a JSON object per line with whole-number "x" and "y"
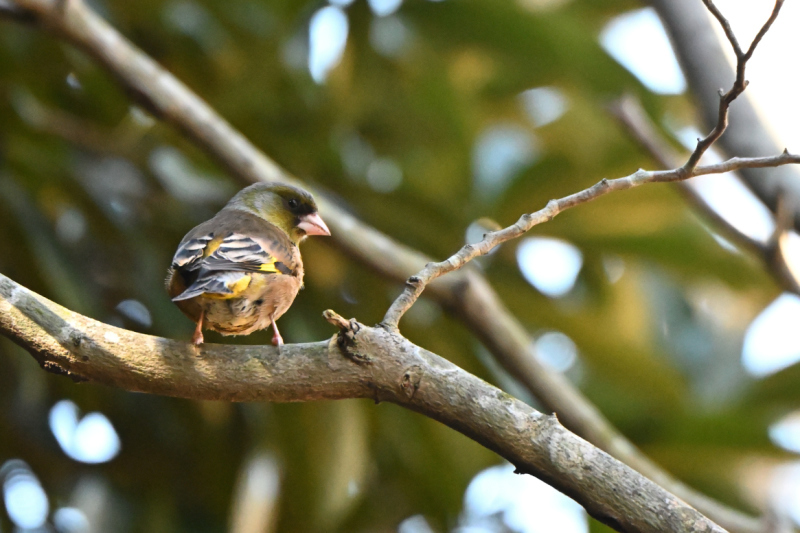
{"x": 346, "y": 338}
{"x": 415, "y": 285}
{"x": 739, "y": 85}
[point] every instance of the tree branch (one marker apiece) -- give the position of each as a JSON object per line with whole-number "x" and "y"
{"x": 466, "y": 294}
{"x": 634, "y": 118}
{"x": 739, "y": 85}
{"x": 703, "y": 60}
{"x": 9, "y": 9}
{"x": 417, "y": 283}
{"x": 361, "y": 362}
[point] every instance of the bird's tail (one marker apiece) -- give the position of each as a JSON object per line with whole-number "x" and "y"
{"x": 190, "y": 292}
{"x": 217, "y": 285}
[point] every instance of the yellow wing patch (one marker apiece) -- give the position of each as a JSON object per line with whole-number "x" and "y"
{"x": 269, "y": 267}
{"x": 212, "y": 246}
{"x": 237, "y": 287}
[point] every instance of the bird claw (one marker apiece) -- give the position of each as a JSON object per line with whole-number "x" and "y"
{"x": 197, "y": 337}
{"x": 277, "y": 340}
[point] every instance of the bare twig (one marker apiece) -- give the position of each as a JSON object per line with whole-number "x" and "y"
{"x": 398, "y": 371}
{"x": 416, "y": 284}
{"x": 739, "y": 85}
{"x": 633, "y": 117}
{"x": 702, "y": 56}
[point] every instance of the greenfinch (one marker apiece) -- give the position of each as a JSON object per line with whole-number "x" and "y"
{"x": 240, "y": 271}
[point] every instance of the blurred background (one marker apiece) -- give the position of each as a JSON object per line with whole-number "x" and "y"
{"x": 421, "y": 118}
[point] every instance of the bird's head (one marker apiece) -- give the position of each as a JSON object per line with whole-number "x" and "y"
{"x": 291, "y": 209}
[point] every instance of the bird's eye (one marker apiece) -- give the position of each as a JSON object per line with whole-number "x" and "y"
{"x": 293, "y": 203}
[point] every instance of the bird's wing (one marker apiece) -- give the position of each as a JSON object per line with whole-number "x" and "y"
{"x": 234, "y": 252}
{"x": 217, "y": 257}
{"x": 220, "y": 266}
{"x": 191, "y": 251}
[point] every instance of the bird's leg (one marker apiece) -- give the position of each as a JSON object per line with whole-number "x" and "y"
{"x": 277, "y": 340}
{"x": 197, "y": 338}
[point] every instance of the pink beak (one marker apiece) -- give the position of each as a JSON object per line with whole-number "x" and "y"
{"x": 313, "y": 225}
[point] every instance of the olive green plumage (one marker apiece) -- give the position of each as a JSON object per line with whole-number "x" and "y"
{"x": 240, "y": 271}
{"x": 280, "y": 205}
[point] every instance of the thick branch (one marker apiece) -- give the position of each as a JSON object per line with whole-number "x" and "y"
{"x": 361, "y": 362}
{"x": 465, "y": 294}
{"x": 67, "y": 343}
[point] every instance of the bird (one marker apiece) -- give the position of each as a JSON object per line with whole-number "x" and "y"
{"x": 240, "y": 271}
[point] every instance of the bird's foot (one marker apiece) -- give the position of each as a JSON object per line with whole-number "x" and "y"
{"x": 277, "y": 340}
{"x": 197, "y": 337}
